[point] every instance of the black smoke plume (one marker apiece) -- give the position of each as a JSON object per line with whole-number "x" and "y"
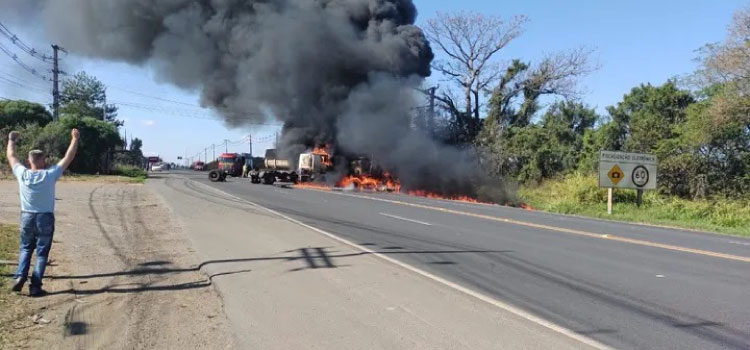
{"x": 338, "y": 72}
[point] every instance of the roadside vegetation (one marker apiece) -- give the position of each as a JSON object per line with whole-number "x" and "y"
{"x": 8, "y": 302}
{"x": 130, "y": 171}
{"x": 8, "y": 251}
{"x": 533, "y": 130}
{"x": 579, "y": 194}
{"x": 102, "y": 151}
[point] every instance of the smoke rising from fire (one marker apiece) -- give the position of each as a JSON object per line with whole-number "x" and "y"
{"x": 338, "y": 72}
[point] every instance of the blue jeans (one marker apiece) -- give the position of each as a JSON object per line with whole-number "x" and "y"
{"x": 37, "y": 230}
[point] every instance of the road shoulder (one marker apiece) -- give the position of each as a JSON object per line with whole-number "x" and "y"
{"x": 122, "y": 276}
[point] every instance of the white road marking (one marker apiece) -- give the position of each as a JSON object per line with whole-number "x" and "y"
{"x": 660, "y": 276}
{"x": 472, "y": 293}
{"x": 738, "y": 242}
{"x": 406, "y": 219}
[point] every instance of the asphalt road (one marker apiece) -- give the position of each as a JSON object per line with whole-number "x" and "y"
{"x": 627, "y": 286}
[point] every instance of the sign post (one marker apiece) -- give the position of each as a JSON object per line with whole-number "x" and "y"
{"x": 626, "y": 170}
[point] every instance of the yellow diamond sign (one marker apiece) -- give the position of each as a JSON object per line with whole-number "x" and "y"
{"x": 615, "y": 175}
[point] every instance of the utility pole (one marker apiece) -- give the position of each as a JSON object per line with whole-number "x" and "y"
{"x": 214, "y": 147}
{"x": 431, "y": 119}
{"x": 276, "y": 143}
{"x": 226, "y": 146}
{"x": 55, "y": 83}
{"x": 250, "y": 141}
{"x": 205, "y": 154}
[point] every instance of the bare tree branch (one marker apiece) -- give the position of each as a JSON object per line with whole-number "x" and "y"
{"x": 729, "y": 61}
{"x": 471, "y": 40}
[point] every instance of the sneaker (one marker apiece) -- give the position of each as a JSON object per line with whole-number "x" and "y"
{"x": 36, "y": 291}
{"x": 18, "y": 284}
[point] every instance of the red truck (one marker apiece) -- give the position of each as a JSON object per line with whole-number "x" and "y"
{"x": 230, "y": 164}
{"x": 198, "y": 166}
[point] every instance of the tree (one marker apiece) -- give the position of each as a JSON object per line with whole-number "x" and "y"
{"x": 539, "y": 150}
{"x": 27, "y": 117}
{"x": 98, "y": 140}
{"x": 136, "y": 152}
{"x": 85, "y": 95}
{"x": 514, "y": 101}
{"x": 470, "y": 41}
{"x": 19, "y": 113}
{"x": 729, "y": 62}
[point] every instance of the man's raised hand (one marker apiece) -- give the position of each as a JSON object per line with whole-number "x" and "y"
{"x": 75, "y": 134}
{"x": 14, "y": 136}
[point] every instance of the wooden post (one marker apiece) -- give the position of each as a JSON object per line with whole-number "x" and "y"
{"x": 609, "y": 200}
{"x": 639, "y": 198}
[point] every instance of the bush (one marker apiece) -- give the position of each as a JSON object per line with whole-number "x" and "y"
{"x": 580, "y": 194}
{"x": 129, "y": 171}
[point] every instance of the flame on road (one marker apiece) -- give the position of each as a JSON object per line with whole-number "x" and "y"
{"x": 385, "y": 184}
{"x": 431, "y": 195}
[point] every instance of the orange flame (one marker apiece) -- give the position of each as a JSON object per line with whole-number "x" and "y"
{"x": 431, "y": 195}
{"x": 313, "y": 185}
{"x": 325, "y": 154}
{"x": 386, "y": 184}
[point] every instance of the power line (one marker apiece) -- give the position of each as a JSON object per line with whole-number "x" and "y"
{"x": 21, "y": 45}
{"x": 15, "y": 99}
{"x": 28, "y": 68}
{"x": 180, "y": 113}
{"x": 156, "y": 98}
{"x": 21, "y": 84}
{"x": 18, "y": 78}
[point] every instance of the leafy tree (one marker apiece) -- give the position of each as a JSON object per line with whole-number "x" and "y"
{"x": 98, "y": 139}
{"x": 717, "y": 135}
{"x": 136, "y": 152}
{"x": 532, "y": 152}
{"x": 18, "y": 113}
{"x": 85, "y": 95}
{"x": 649, "y": 119}
{"x": 655, "y": 114}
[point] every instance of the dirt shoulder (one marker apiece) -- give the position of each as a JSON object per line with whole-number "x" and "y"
{"x": 122, "y": 276}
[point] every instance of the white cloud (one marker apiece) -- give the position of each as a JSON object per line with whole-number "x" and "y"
{"x": 148, "y": 123}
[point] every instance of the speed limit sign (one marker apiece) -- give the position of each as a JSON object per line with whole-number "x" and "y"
{"x": 640, "y": 176}
{"x": 627, "y": 170}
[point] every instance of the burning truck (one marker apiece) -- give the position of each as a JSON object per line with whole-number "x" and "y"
{"x": 316, "y": 169}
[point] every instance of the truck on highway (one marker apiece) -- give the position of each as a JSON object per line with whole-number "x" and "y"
{"x": 198, "y": 166}
{"x": 310, "y": 166}
{"x": 230, "y": 164}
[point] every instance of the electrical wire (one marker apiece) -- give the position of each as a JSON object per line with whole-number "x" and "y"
{"x": 22, "y": 85}
{"x": 180, "y": 113}
{"x": 28, "y": 68}
{"x": 19, "y": 78}
{"x": 21, "y": 45}
{"x": 155, "y": 97}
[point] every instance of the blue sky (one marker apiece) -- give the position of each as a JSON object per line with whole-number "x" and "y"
{"x": 636, "y": 42}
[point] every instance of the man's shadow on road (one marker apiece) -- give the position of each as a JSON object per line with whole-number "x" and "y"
{"x": 313, "y": 258}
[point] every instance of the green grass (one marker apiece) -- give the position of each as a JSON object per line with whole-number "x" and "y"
{"x": 580, "y": 195}
{"x": 103, "y": 178}
{"x": 9, "y": 304}
{"x": 8, "y": 251}
{"x": 129, "y": 171}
